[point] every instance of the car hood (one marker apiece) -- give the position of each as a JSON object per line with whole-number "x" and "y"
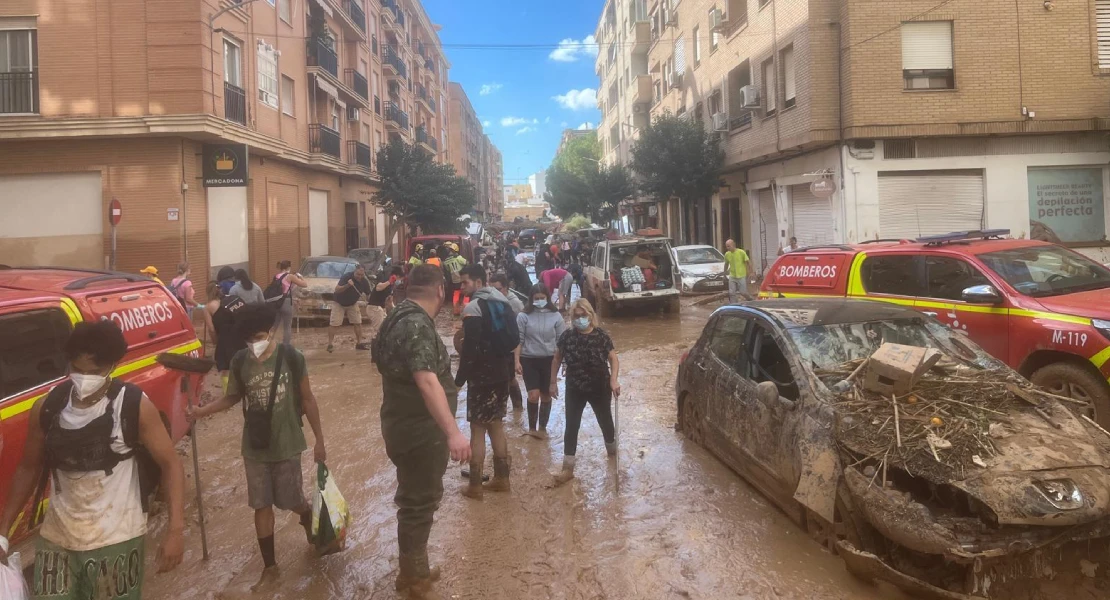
{"x": 1094, "y": 304}
{"x": 319, "y": 285}
{"x": 702, "y": 269}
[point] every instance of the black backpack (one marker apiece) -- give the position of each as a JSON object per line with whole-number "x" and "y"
{"x": 175, "y": 289}
{"x": 275, "y": 292}
{"x": 295, "y": 371}
{"x": 499, "y": 326}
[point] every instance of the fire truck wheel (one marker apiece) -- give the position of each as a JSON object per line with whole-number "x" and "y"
{"x": 1074, "y": 381}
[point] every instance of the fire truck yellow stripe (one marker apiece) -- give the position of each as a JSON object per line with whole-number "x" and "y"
{"x": 71, "y": 311}
{"x": 1100, "y": 359}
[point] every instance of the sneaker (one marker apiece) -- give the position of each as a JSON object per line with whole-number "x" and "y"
{"x": 331, "y": 348}
{"x": 362, "y": 346}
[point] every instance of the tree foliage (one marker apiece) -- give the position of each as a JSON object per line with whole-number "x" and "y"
{"x": 676, "y": 158}
{"x": 578, "y": 184}
{"x": 576, "y": 222}
{"x": 421, "y": 192}
{"x": 580, "y": 156}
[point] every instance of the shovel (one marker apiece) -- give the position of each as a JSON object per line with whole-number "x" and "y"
{"x": 189, "y": 364}
{"x": 617, "y": 439}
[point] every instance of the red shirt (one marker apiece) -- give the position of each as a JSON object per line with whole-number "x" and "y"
{"x": 552, "y": 278}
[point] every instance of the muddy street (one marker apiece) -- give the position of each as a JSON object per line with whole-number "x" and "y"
{"x": 680, "y": 525}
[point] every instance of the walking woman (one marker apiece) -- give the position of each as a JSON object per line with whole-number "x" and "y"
{"x": 219, "y": 317}
{"x": 592, "y": 378}
{"x": 288, "y": 279}
{"x": 246, "y": 289}
{"x": 540, "y": 326}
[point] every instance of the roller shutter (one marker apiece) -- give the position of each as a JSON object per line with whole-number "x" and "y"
{"x": 283, "y": 227}
{"x": 768, "y": 228}
{"x": 318, "y": 222}
{"x": 811, "y": 217}
{"x": 1102, "y": 19}
{"x": 913, "y": 204}
{"x": 58, "y": 219}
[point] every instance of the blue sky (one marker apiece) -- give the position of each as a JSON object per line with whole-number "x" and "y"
{"x": 527, "y": 95}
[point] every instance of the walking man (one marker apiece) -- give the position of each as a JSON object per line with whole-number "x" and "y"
{"x": 453, "y": 265}
{"x": 350, "y": 291}
{"x": 418, "y": 421}
{"x": 737, "y": 261}
{"x": 500, "y": 282}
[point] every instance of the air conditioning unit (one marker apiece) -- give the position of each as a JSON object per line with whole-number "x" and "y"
{"x": 717, "y": 19}
{"x": 749, "y": 97}
{"x": 676, "y": 80}
{"x": 720, "y": 121}
{"x": 641, "y": 108}
{"x": 352, "y": 113}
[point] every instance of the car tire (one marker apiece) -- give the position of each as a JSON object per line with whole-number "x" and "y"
{"x": 691, "y": 420}
{"x": 1074, "y": 381}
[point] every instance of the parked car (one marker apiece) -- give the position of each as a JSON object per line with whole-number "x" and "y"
{"x": 38, "y": 309}
{"x": 529, "y": 237}
{"x": 322, "y": 274}
{"x": 757, "y": 390}
{"x": 702, "y": 269}
{"x": 606, "y": 287}
{"x": 375, "y": 260}
{"x": 1041, "y": 308}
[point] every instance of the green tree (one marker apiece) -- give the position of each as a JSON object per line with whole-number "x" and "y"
{"x": 577, "y": 183}
{"x": 676, "y": 157}
{"x": 566, "y": 192}
{"x": 608, "y": 186}
{"x": 420, "y": 192}
{"x": 581, "y": 155}
{"x": 576, "y": 222}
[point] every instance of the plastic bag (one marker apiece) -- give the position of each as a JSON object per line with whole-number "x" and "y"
{"x": 12, "y": 586}
{"x": 330, "y": 516}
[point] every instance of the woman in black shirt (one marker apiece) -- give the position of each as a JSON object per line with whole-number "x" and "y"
{"x": 592, "y": 378}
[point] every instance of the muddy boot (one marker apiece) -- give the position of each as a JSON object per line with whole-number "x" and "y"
{"x": 545, "y": 414}
{"x": 611, "y": 448}
{"x": 474, "y": 488}
{"x": 405, "y": 578}
{"x": 423, "y": 590}
{"x": 533, "y": 415}
{"x": 500, "y": 481}
{"x": 567, "y": 473}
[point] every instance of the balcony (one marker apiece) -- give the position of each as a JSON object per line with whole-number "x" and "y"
{"x": 321, "y": 55}
{"x": 358, "y": 154}
{"x": 642, "y": 93}
{"x": 323, "y": 140}
{"x": 395, "y": 62}
{"x": 425, "y": 98}
{"x": 235, "y": 103}
{"x": 393, "y": 16}
{"x": 428, "y": 142}
{"x": 641, "y": 37}
{"x": 742, "y": 121}
{"x": 357, "y": 15}
{"x": 394, "y": 114}
{"x": 421, "y": 50}
{"x": 19, "y": 93}
{"x": 357, "y": 82}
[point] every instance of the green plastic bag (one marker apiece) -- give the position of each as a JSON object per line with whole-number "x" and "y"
{"x": 330, "y": 516}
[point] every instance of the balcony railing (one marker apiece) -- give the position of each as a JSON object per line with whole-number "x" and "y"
{"x": 398, "y": 116}
{"x": 357, "y": 82}
{"x": 422, "y": 137}
{"x": 357, "y": 15}
{"x": 420, "y": 49}
{"x": 19, "y": 92}
{"x": 394, "y": 60}
{"x": 358, "y": 154}
{"x": 235, "y": 103}
{"x": 323, "y": 140}
{"x": 320, "y": 55}
{"x": 423, "y": 96}
{"x": 741, "y": 121}
{"x": 430, "y": 65}
{"x": 399, "y": 15}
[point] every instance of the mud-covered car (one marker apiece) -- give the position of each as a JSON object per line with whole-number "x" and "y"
{"x": 977, "y": 493}
{"x": 322, "y": 274}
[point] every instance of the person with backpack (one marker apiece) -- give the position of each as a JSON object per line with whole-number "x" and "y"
{"x": 103, "y": 445}
{"x": 280, "y": 293}
{"x": 226, "y": 278}
{"x": 271, "y": 381}
{"x": 540, "y": 325}
{"x": 220, "y": 318}
{"x": 486, "y": 366}
{"x": 452, "y": 267}
{"x": 182, "y": 288}
{"x": 246, "y": 289}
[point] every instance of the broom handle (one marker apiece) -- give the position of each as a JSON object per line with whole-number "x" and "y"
{"x": 196, "y": 461}
{"x": 617, "y": 439}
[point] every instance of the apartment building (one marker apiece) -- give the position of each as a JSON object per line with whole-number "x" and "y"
{"x": 473, "y": 154}
{"x": 231, "y": 134}
{"x": 846, "y": 120}
{"x": 495, "y": 180}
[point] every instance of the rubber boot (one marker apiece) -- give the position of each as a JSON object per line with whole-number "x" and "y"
{"x": 500, "y": 481}
{"x": 611, "y": 448}
{"x": 474, "y": 488}
{"x": 405, "y": 578}
{"x": 545, "y": 415}
{"x": 423, "y": 590}
{"x": 567, "y": 473}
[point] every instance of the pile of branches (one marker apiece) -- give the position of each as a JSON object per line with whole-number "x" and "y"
{"x": 943, "y": 429}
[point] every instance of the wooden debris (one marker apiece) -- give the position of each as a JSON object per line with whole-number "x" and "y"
{"x": 1092, "y": 422}
{"x": 1020, "y": 393}
{"x": 897, "y": 427}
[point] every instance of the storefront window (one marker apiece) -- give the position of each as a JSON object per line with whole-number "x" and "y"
{"x": 1066, "y": 206}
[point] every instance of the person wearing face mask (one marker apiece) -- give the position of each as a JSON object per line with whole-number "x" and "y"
{"x": 418, "y": 421}
{"x": 540, "y": 326}
{"x": 592, "y": 378}
{"x": 93, "y": 436}
{"x": 271, "y": 380}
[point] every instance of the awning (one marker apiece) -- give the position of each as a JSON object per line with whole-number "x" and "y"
{"x": 324, "y": 5}
{"x": 327, "y": 88}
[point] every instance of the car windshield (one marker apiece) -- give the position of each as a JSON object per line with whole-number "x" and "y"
{"x": 365, "y": 254}
{"x": 326, "y": 268}
{"x": 699, "y": 256}
{"x": 1040, "y": 271}
{"x": 828, "y": 346}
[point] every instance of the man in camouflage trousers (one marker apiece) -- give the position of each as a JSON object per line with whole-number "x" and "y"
{"x": 418, "y": 421}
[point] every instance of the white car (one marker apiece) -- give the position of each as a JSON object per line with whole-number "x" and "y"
{"x": 702, "y": 269}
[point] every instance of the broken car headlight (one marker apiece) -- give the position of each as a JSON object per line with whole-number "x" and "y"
{"x": 1102, "y": 326}
{"x": 1063, "y": 494}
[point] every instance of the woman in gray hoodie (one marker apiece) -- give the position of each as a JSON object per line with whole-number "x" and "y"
{"x": 540, "y": 325}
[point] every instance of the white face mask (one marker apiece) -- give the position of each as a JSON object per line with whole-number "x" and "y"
{"x": 539, "y": 303}
{"x": 259, "y": 348}
{"x": 86, "y": 385}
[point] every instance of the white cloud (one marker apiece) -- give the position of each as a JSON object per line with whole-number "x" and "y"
{"x": 547, "y": 121}
{"x": 524, "y": 130}
{"x": 516, "y": 121}
{"x": 489, "y": 88}
{"x": 486, "y": 123}
{"x": 578, "y": 99}
{"x": 570, "y": 50}
{"x": 586, "y": 125}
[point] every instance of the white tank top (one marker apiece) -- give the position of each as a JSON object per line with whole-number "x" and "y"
{"x": 93, "y": 510}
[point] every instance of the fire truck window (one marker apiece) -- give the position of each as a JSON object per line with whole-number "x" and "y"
{"x": 897, "y": 275}
{"x": 949, "y": 277}
{"x": 31, "y": 349}
{"x": 727, "y": 342}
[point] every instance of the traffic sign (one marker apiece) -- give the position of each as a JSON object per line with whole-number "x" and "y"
{"x": 115, "y": 212}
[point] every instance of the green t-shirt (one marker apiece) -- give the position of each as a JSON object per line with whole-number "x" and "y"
{"x": 737, "y": 261}
{"x": 286, "y": 436}
{"x": 408, "y": 343}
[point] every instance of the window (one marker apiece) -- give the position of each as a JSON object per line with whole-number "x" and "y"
{"x": 267, "y": 74}
{"x": 768, "y": 363}
{"x": 947, "y": 278}
{"x": 288, "y": 99}
{"x": 927, "y": 55}
{"x": 737, "y": 79}
{"x": 897, "y": 275}
{"x": 284, "y": 11}
{"x": 18, "y": 71}
{"x": 335, "y": 116}
{"x": 715, "y": 102}
{"x": 788, "y": 76}
{"x": 31, "y": 350}
{"x": 697, "y": 46}
{"x": 769, "y": 88}
{"x": 364, "y": 134}
{"x": 715, "y": 35}
{"x": 272, "y": 2}
{"x": 680, "y": 56}
{"x": 737, "y": 13}
{"x": 727, "y": 341}
{"x": 232, "y": 63}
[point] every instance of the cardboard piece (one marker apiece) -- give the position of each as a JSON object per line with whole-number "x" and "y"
{"x": 894, "y": 368}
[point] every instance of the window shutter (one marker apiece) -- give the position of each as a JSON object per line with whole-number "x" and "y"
{"x": 680, "y": 55}
{"x": 788, "y": 73}
{"x": 1102, "y": 19}
{"x": 927, "y": 45}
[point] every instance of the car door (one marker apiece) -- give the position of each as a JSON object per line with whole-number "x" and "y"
{"x": 889, "y": 277}
{"x": 771, "y": 434}
{"x": 724, "y": 358}
{"x": 946, "y": 277}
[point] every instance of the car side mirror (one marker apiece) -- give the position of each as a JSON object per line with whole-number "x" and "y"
{"x": 768, "y": 395}
{"x": 982, "y": 294}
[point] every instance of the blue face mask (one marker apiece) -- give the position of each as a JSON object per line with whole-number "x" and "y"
{"x": 539, "y": 303}
{"x": 582, "y": 323}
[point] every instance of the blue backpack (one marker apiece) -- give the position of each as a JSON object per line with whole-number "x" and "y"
{"x": 499, "y": 327}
